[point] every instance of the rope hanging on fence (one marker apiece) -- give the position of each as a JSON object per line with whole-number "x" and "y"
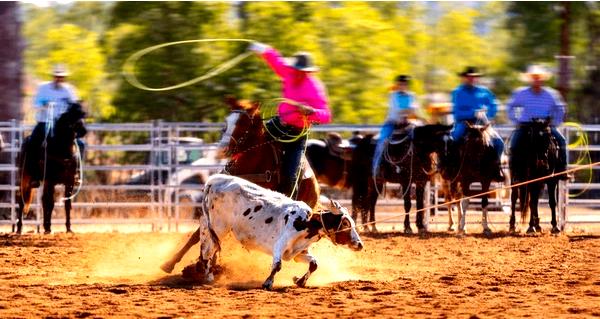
{"x": 587, "y": 166}
{"x": 128, "y": 69}
{"x": 584, "y": 156}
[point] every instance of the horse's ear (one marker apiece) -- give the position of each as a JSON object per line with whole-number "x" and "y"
{"x": 232, "y": 102}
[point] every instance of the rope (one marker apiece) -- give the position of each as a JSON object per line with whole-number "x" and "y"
{"x": 553, "y": 175}
{"x": 128, "y": 69}
{"x": 584, "y": 156}
{"x": 80, "y": 161}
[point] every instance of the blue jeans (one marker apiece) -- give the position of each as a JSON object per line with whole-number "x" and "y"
{"x": 292, "y": 154}
{"x": 458, "y": 132}
{"x": 386, "y": 131}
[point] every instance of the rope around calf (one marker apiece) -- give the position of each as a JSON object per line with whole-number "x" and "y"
{"x": 484, "y": 193}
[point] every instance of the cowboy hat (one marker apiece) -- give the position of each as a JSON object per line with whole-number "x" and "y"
{"x": 59, "y": 70}
{"x": 470, "y": 71}
{"x": 535, "y": 69}
{"x": 302, "y": 61}
{"x": 402, "y": 78}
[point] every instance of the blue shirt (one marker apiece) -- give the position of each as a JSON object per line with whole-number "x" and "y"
{"x": 467, "y": 99}
{"x": 400, "y": 102}
{"x": 59, "y": 96}
{"x": 526, "y": 105}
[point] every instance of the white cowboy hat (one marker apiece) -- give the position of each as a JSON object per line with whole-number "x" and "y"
{"x": 535, "y": 69}
{"x": 60, "y": 70}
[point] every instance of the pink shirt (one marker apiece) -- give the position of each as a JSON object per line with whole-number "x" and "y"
{"x": 310, "y": 92}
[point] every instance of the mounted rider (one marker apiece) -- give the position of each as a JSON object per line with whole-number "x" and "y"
{"x": 537, "y": 101}
{"x": 402, "y": 106}
{"x": 305, "y": 102}
{"x": 51, "y": 101}
{"x": 472, "y": 103}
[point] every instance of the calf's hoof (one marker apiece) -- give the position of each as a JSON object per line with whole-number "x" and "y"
{"x": 300, "y": 282}
{"x": 168, "y": 267}
{"x": 267, "y": 285}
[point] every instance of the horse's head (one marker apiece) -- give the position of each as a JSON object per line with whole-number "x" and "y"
{"x": 243, "y": 120}
{"x": 432, "y": 138}
{"x": 339, "y": 226}
{"x": 70, "y": 124}
{"x": 477, "y": 138}
{"x": 541, "y": 142}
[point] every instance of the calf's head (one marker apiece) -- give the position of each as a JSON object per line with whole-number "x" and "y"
{"x": 339, "y": 226}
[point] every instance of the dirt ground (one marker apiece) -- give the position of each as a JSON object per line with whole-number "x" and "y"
{"x": 440, "y": 275}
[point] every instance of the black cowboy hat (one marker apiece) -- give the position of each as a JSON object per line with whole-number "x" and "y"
{"x": 471, "y": 71}
{"x": 302, "y": 61}
{"x": 403, "y": 78}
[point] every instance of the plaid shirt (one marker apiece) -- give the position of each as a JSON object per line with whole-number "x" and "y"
{"x": 526, "y": 105}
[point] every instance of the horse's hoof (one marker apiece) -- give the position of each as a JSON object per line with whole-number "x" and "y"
{"x": 374, "y": 229}
{"x": 461, "y": 233}
{"x": 423, "y": 231}
{"x": 555, "y": 230}
{"x": 530, "y": 230}
{"x": 538, "y": 229}
{"x": 69, "y": 231}
{"x": 487, "y": 232}
{"x": 167, "y": 267}
{"x": 450, "y": 229}
{"x": 408, "y": 230}
{"x": 47, "y": 232}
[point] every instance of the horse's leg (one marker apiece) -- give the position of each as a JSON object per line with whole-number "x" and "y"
{"x": 68, "y": 193}
{"x": 372, "y": 204}
{"x": 170, "y": 264}
{"x": 514, "y": 195}
{"x": 24, "y": 197}
{"x": 420, "y": 191}
{"x": 534, "y": 195}
{"x": 552, "y": 202}
{"x": 485, "y": 187}
{"x": 448, "y": 198}
{"x": 407, "y": 207}
{"x": 48, "y": 205}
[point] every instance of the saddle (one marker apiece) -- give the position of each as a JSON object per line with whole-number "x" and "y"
{"x": 338, "y": 147}
{"x": 402, "y": 132}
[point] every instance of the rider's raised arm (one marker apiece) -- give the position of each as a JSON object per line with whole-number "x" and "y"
{"x": 274, "y": 60}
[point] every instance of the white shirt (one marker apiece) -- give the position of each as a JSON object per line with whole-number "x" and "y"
{"x": 59, "y": 97}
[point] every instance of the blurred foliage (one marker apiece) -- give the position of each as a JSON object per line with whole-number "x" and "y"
{"x": 360, "y": 47}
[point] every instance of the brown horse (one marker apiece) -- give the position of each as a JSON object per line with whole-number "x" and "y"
{"x": 469, "y": 162}
{"x": 59, "y": 164}
{"x": 255, "y": 156}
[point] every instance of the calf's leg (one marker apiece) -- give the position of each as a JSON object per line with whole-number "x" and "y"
{"x": 170, "y": 265}
{"x": 306, "y": 257}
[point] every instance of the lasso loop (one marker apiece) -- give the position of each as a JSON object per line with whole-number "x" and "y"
{"x": 270, "y": 106}
{"x": 128, "y": 69}
{"x": 584, "y": 156}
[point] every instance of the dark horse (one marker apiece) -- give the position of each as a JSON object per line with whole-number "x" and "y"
{"x": 255, "y": 156}
{"x": 330, "y": 159}
{"x": 469, "y": 161}
{"x": 534, "y": 156}
{"x": 58, "y": 162}
{"x": 406, "y": 160}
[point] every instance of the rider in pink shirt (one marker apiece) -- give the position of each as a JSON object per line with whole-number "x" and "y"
{"x": 305, "y": 103}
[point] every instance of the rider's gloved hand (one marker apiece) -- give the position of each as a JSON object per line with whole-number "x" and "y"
{"x": 258, "y": 47}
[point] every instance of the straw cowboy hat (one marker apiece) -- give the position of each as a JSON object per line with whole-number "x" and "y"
{"x": 535, "y": 69}
{"x": 302, "y": 61}
{"x": 59, "y": 70}
{"x": 471, "y": 71}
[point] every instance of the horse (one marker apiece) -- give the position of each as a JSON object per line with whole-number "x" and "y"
{"x": 469, "y": 161}
{"x": 253, "y": 155}
{"x": 330, "y": 159}
{"x": 58, "y": 163}
{"x": 407, "y": 160}
{"x": 534, "y": 156}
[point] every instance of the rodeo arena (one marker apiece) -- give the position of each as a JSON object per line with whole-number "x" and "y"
{"x": 193, "y": 219}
